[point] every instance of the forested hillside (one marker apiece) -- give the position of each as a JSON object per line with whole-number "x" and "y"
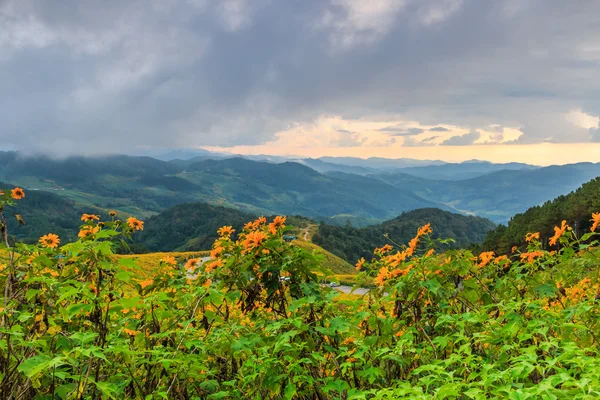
{"x": 575, "y": 207}
{"x": 352, "y": 243}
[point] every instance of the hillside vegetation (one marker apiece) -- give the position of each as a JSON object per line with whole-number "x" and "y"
{"x": 575, "y": 208}
{"x": 254, "y": 322}
{"x": 352, "y": 243}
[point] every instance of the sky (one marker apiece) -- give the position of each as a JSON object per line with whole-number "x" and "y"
{"x": 503, "y": 80}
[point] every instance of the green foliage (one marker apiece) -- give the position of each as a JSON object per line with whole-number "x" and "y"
{"x": 352, "y": 243}
{"x": 78, "y": 322}
{"x": 575, "y": 208}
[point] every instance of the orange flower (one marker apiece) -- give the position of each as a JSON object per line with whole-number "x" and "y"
{"x": 169, "y": 260}
{"x": 532, "y": 236}
{"x": 279, "y": 221}
{"x": 530, "y": 257}
{"x": 135, "y": 223}
{"x": 500, "y": 259}
{"x": 130, "y": 332}
{"x": 430, "y": 253}
{"x": 412, "y": 246}
{"x": 216, "y": 252}
{"x": 425, "y": 229}
{"x": 254, "y": 240}
{"x": 272, "y": 229}
{"x": 596, "y": 220}
{"x": 112, "y": 213}
{"x": 383, "y": 250}
{"x": 1, "y": 192}
{"x": 513, "y": 249}
{"x": 249, "y": 226}
{"x": 225, "y": 231}
{"x": 17, "y": 193}
{"x": 214, "y": 264}
{"x": 50, "y": 241}
{"x": 558, "y": 232}
{"x": 90, "y": 217}
{"x": 88, "y": 231}
{"x": 146, "y": 283}
{"x": 397, "y": 258}
{"x": 191, "y": 264}
{"x": 260, "y": 221}
{"x": 207, "y": 283}
{"x": 485, "y": 258}
{"x": 360, "y": 263}
{"x": 382, "y": 276}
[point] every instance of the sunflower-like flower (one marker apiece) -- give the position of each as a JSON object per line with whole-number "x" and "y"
{"x": 169, "y": 260}
{"x": 596, "y": 220}
{"x": 50, "y": 241}
{"x": 88, "y": 231}
{"x": 225, "y": 231}
{"x": 90, "y": 217}
{"x": 112, "y": 213}
{"x": 254, "y": 240}
{"x": 135, "y": 223}
{"x": 17, "y": 193}
{"x": 558, "y": 232}
{"x": 532, "y": 236}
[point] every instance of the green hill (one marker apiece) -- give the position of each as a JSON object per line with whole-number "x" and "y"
{"x": 352, "y": 243}
{"x": 575, "y": 207}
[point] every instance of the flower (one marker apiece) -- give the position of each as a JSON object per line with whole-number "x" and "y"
{"x": 425, "y": 229}
{"x": 279, "y": 221}
{"x": 169, "y": 260}
{"x": 191, "y": 264}
{"x": 17, "y": 193}
{"x": 130, "y": 332}
{"x": 214, "y": 264}
{"x": 260, "y": 221}
{"x": 382, "y": 276}
{"x": 558, "y": 232}
{"x": 485, "y": 258}
{"x": 216, "y": 252}
{"x": 225, "y": 231}
{"x": 50, "y": 241}
{"x": 88, "y": 231}
{"x": 146, "y": 283}
{"x": 253, "y": 240}
{"x": 532, "y": 236}
{"x": 530, "y": 257}
{"x": 112, "y": 213}
{"x": 596, "y": 220}
{"x": 1, "y": 192}
{"x": 397, "y": 258}
{"x": 383, "y": 250}
{"x": 412, "y": 246}
{"x": 135, "y": 223}
{"x": 90, "y": 217}
{"x": 430, "y": 253}
{"x": 360, "y": 263}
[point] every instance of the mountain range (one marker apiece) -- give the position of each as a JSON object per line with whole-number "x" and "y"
{"x": 335, "y": 190}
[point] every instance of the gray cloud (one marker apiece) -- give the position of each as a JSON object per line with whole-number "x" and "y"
{"x": 86, "y": 75}
{"x": 401, "y": 131}
{"x": 438, "y": 129}
{"x": 462, "y": 140}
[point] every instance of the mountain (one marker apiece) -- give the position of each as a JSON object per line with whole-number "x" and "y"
{"x": 575, "y": 207}
{"x": 380, "y": 163}
{"x": 460, "y": 171}
{"x": 188, "y": 227}
{"x": 292, "y": 188}
{"x": 352, "y": 243}
{"x": 502, "y": 194}
{"x": 324, "y": 167}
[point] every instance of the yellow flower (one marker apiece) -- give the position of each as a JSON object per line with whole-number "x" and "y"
{"x": 225, "y": 231}
{"x": 88, "y": 231}
{"x": 90, "y": 217}
{"x": 485, "y": 258}
{"x": 253, "y": 240}
{"x": 214, "y": 264}
{"x": 532, "y": 236}
{"x": 558, "y": 232}
{"x": 596, "y": 220}
{"x": 169, "y": 260}
{"x": 17, "y": 193}
{"x": 50, "y": 241}
{"x": 360, "y": 263}
{"x": 135, "y": 223}
{"x": 382, "y": 276}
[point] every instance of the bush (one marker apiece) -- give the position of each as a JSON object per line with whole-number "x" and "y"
{"x": 254, "y": 322}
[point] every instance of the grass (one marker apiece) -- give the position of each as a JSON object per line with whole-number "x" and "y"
{"x": 331, "y": 261}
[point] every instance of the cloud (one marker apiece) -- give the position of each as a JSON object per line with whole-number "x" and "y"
{"x": 463, "y": 140}
{"x": 86, "y": 76}
{"x": 438, "y": 129}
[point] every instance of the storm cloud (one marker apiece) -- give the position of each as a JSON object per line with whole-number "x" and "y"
{"x": 110, "y": 76}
